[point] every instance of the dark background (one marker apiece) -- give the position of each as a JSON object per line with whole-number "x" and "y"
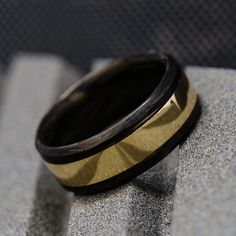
{"x": 198, "y": 32}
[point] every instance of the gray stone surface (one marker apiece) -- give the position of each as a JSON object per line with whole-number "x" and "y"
{"x": 191, "y": 192}
{"x": 205, "y": 202}
{"x": 31, "y": 203}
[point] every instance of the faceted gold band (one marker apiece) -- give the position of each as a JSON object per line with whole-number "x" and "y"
{"x": 133, "y": 149}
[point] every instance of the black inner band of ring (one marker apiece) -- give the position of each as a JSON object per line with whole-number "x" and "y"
{"x": 105, "y": 102}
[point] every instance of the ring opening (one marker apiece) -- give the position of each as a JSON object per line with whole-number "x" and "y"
{"x": 97, "y": 105}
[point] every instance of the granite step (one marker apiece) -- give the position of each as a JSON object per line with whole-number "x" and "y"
{"x": 190, "y": 192}
{"x": 31, "y": 201}
{"x": 205, "y": 180}
{"x": 205, "y": 196}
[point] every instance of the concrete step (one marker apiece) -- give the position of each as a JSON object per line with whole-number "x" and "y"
{"x": 31, "y": 201}
{"x": 205, "y": 182}
{"x": 198, "y": 199}
{"x": 206, "y": 179}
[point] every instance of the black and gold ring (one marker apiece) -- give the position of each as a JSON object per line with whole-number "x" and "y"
{"x": 117, "y": 122}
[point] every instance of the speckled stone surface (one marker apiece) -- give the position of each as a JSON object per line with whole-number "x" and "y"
{"x": 31, "y": 203}
{"x": 205, "y": 202}
{"x": 191, "y": 192}
{"x": 205, "y": 184}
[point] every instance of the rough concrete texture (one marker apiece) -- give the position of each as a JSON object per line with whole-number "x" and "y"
{"x": 205, "y": 202}
{"x": 31, "y": 202}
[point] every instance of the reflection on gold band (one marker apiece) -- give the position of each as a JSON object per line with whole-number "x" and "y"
{"x": 134, "y": 148}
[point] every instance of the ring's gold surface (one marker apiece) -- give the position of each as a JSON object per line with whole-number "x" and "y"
{"x": 133, "y": 149}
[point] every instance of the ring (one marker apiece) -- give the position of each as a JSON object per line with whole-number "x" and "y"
{"x": 117, "y": 122}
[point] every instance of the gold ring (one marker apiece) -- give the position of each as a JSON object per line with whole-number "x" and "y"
{"x": 106, "y": 129}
